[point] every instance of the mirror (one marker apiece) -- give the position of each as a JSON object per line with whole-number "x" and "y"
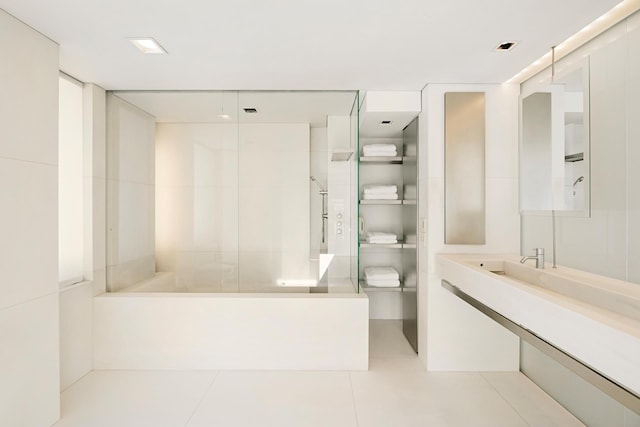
{"x": 554, "y": 143}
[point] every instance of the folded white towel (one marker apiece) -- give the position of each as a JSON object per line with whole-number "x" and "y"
{"x": 380, "y": 154}
{"x": 381, "y": 238}
{"x": 380, "y": 196}
{"x": 381, "y": 273}
{"x": 382, "y": 241}
{"x": 383, "y": 283}
{"x": 378, "y": 147}
{"x": 380, "y": 189}
{"x": 381, "y": 234}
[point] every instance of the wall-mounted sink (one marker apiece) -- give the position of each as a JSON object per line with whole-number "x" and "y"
{"x": 619, "y": 297}
{"x": 594, "y": 319}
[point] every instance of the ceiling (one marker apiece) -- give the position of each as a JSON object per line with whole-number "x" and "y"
{"x": 228, "y": 107}
{"x": 302, "y": 44}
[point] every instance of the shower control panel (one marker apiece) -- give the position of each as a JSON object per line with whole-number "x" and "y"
{"x": 339, "y": 214}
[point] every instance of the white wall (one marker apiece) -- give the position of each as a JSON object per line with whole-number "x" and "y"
{"x": 453, "y": 335}
{"x": 29, "y": 359}
{"x": 131, "y": 194}
{"x": 607, "y": 242}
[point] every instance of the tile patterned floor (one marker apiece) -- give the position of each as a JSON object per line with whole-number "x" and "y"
{"x": 396, "y": 392}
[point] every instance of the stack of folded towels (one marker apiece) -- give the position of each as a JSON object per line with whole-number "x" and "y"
{"x": 380, "y": 192}
{"x": 380, "y": 238}
{"x": 381, "y": 277}
{"x": 379, "y": 150}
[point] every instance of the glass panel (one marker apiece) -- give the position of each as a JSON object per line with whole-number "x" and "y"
{"x": 355, "y": 185}
{"x": 293, "y": 221}
{"x": 247, "y": 191}
{"x": 196, "y": 192}
{"x": 464, "y": 168}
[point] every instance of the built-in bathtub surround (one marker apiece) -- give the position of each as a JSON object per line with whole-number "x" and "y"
{"x": 231, "y": 331}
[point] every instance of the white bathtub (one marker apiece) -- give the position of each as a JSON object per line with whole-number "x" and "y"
{"x": 154, "y": 327}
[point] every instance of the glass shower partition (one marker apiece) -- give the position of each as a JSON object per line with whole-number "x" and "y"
{"x": 232, "y": 191}
{"x": 355, "y": 196}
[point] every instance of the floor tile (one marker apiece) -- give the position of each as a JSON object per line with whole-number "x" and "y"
{"x": 386, "y": 340}
{"x": 412, "y": 398}
{"x": 134, "y": 398}
{"x": 396, "y": 391}
{"x": 278, "y": 398}
{"x": 533, "y": 404}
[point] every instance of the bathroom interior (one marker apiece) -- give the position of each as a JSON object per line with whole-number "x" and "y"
{"x": 494, "y": 226}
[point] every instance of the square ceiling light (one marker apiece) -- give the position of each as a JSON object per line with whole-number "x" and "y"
{"x": 147, "y": 45}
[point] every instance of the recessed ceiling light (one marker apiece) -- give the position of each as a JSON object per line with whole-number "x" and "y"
{"x": 147, "y": 45}
{"x": 250, "y": 110}
{"x": 386, "y": 122}
{"x": 225, "y": 116}
{"x": 505, "y": 46}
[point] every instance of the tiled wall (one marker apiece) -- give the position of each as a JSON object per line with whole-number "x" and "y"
{"x": 29, "y": 355}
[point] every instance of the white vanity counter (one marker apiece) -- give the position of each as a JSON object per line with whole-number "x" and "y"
{"x": 594, "y": 319}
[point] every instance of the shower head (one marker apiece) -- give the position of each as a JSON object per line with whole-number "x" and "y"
{"x": 578, "y": 180}
{"x": 317, "y": 183}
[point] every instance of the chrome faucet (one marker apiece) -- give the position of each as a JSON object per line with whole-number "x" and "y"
{"x": 539, "y": 257}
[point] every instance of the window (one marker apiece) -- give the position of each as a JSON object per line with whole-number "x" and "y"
{"x": 70, "y": 182}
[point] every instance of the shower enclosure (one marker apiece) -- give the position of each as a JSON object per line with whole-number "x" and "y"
{"x": 232, "y": 191}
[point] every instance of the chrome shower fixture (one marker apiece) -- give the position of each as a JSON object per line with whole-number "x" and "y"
{"x": 322, "y": 189}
